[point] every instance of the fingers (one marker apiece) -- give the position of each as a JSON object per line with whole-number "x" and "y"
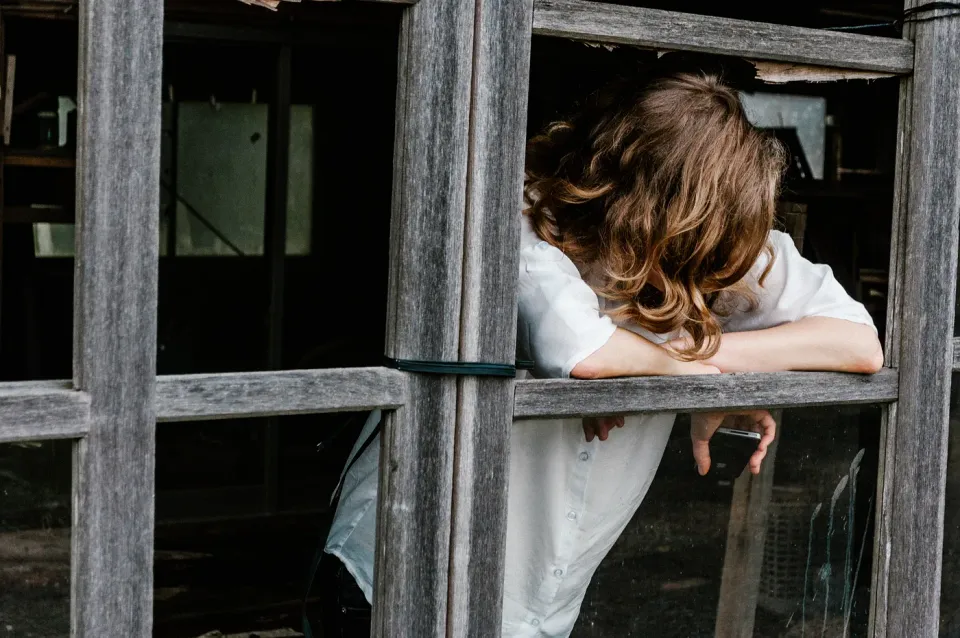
{"x": 768, "y": 429}
{"x": 701, "y": 454}
{"x": 600, "y": 426}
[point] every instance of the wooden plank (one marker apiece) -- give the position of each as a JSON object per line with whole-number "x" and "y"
{"x": 38, "y": 160}
{"x": 501, "y": 68}
{"x": 275, "y": 253}
{"x": 916, "y": 465}
{"x": 192, "y": 397}
{"x": 35, "y": 410}
{"x": 657, "y": 29}
{"x": 743, "y": 556}
{"x": 563, "y": 398}
{"x": 115, "y": 316}
{"x": 9, "y": 77}
{"x": 783, "y": 72}
{"x": 426, "y": 252}
{"x": 888, "y": 424}
{"x": 39, "y": 214}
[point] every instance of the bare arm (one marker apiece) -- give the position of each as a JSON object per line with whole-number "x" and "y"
{"x": 627, "y": 354}
{"x": 812, "y": 343}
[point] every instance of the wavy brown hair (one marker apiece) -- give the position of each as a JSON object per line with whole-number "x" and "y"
{"x": 667, "y": 193}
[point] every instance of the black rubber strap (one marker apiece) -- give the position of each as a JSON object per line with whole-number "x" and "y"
{"x": 460, "y": 368}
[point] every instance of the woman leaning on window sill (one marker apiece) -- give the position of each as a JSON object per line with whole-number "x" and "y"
{"x": 647, "y": 248}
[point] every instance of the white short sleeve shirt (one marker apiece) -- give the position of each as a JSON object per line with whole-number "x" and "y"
{"x": 563, "y": 517}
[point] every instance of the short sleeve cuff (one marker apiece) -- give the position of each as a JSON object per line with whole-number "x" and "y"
{"x": 589, "y": 346}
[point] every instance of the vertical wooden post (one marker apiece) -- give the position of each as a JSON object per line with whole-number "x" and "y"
{"x": 746, "y": 539}
{"x": 275, "y": 254}
{"x": 115, "y": 318}
{"x": 426, "y": 249}
{"x": 888, "y": 424}
{"x": 915, "y": 465}
{"x": 501, "y": 68}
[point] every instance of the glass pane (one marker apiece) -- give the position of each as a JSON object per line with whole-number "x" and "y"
{"x": 222, "y": 563}
{"x": 665, "y": 575}
{"x": 221, "y": 178}
{"x": 222, "y": 173}
{"x": 53, "y": 240}
{"x": 950, "y": 583}
{"x": 300, "y": 180}
{"x": 35, "y": 539}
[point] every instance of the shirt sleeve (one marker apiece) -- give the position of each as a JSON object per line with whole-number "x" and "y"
{"x": 793, "y": 289}
{"x": 559, "y": 320}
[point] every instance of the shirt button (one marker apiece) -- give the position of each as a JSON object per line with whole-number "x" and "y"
{"x": 572, "y": 516}
{"x": 584, "y": 456}
{"x": 534, "y": 622}
{"x": 558, "y": 573}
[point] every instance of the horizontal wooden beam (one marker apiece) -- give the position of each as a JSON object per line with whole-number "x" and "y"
{"x": 34, "y": 410}
{"x": 248, "y": 394}
{"x": 658, "y": 29}
{"x": 559, "y": 398}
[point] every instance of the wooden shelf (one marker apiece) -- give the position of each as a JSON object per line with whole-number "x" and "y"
{"x": 39, "y": 159}
{"x": 34, "y": 215}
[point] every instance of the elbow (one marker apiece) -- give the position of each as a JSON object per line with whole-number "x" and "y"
{"x": 586, "y": 369}
{"x": 870, "y": 360}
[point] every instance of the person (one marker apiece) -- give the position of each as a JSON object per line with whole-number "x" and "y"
{"x": 647, "y": 248}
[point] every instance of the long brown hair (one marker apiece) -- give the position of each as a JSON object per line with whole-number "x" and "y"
{"x": 666, "y": 192}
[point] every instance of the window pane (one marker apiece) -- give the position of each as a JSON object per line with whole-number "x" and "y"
{"x": 222, "y": 173}
{"x": 35, "y": 539}
{"x": 950, "y": 584}
{"x": 221, "y": 177}
{"x": 664, "y": 576}
{"x": 221, "y": 564}
{"x": 53, "y": 240}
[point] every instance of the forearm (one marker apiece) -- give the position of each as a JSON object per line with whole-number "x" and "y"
{"x": 813, "y": 343}
{"x": 627, "y": 354}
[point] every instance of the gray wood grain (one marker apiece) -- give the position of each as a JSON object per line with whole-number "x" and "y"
{"x": 916, "y": 464}
{"x": 888, "y": 425}
{"x": 426, "y": 254}
{"x": 956, "y": 353}
{"x": 743, "y": 556}
{"x": 115, "y": 316}
{"x": 36, "y": 410}
{"x": 654, "y": 28}
{"x": 501, "y": 67}
{"x": 556, "y": 398}
{"x": 247, "y": 394}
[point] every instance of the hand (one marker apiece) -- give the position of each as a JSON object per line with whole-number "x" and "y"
{"x": 600, "y": 426}
{"x": 704, "y": 424}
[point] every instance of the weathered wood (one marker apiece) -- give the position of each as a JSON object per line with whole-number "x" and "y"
{"x": 915, "y": 465}
{"x": 35, "y": 410}
{"x": 115, "y": 316}
{"x": 888, "y": 423}
{"x": 743, "y": 556}
{"x": 426, "y": 251}
{"x": 956, "y": 353}
{"x": 657, "y": 29}
{"x": 9, "y": 77}
{"x": 783, "y": 72}
{"x": 501, "y": 66}
{"x": 562, "y": 398}
{"x": 192, "y": 397}
{"x": 275, "y": 254}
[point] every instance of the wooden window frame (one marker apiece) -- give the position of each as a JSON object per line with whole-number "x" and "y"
{"x": 460, "y": 128}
